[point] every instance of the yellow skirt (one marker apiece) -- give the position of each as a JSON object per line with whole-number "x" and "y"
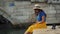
{"x": 37, "y": 26}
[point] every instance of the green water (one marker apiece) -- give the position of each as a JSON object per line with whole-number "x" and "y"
{"x": 12, "y": 31}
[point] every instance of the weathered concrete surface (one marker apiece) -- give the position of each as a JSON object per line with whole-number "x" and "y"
{"x": 23, "y": 12}
{"x": 47, "y": 31}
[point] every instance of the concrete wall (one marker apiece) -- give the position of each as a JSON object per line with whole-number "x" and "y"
{"x": 22, "y": 12}
{"x": 38, "y": 0}
{"x": 53, "y": 1}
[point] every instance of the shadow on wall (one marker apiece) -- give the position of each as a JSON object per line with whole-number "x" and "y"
{"x": 4, "y": 23}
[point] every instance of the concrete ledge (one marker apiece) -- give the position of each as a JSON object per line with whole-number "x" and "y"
{"x": 46, "y": 31}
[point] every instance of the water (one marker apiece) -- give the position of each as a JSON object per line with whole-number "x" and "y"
{"x": 12, "y": 31}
